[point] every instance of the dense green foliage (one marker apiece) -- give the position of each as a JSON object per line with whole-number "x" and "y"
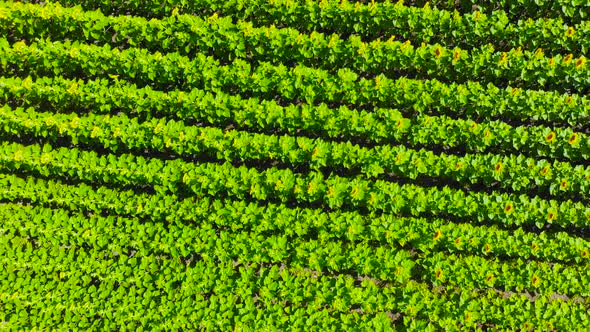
{"x": 261, "y": 165}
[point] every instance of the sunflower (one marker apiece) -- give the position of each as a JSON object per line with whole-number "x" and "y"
{"x": 545, "y": 170}
{"x": 568, "y": 58}
{"x": 551, "y": 216}
{"x": 499, "y": 167}
{"x": 534, "y": 247}
{"x": 407, "y": 44}
{"x": 580, "y": 62}
{"x": 535, "y": 280}
{"x": 438, "y": 273}
{"x": 438, "y": 52}
{"x": 487, "y": 248}
{"x": 550, "y": 137}
{"x": 355, "y": 191}
{"x": 584, "y": 253}
{"x": 503, "y": 58}
{"x": 490, "y": 278}
{"x": 527, "y": 326}
{"x": 509, "y": 208}
{"x": 563, "y": 184}
{"x": 437, "y": 235}
{"x": 539, "y": 52}
{"x": 570, "y": 32}
{"x": 456, "y": 55}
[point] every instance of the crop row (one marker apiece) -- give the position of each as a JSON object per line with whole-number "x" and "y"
{"x": 428, "y": 25}
{"x": 120, "y": 132}
{"x": 518, "y": 68}
{"x": 299, "y": 83}
{"x": 184, "y": 33}
{"x": 382, "y": 125}
{"x": 569, "y": 10}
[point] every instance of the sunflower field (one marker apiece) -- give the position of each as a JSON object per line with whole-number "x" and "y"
{"x": 295, "y": 165}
